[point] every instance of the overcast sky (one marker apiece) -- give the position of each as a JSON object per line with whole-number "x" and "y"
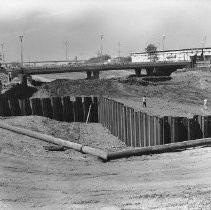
{"x": 47, "y": 24}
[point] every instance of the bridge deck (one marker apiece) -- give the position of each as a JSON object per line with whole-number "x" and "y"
{"x": 100, "y": 67}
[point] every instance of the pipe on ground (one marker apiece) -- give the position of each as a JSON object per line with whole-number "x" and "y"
{"x": 113, "y": 155}
{"x": 78, "y": 147}
{"x": 158, "y": 149}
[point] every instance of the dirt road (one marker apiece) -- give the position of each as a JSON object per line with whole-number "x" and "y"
{"x": 32, "y": 178}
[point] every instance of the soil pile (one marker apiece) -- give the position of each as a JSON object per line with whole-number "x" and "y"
{"x": 77, "y": 87}
{"x": 92, "y": 134}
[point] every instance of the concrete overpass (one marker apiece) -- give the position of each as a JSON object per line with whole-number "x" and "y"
{"x": 152, "y": 68}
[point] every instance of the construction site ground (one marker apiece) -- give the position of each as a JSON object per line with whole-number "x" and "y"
{"x": 33, "y": 178}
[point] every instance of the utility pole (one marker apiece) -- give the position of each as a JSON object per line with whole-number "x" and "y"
{"x": 164, "y": 37}
{"x": 203, "y": 46}
{"x": 2, "y": 48}
{"x": 204, "y": 41}
{"x": 66, "y": 45}
{"x": 119, "y": 51}
{"x": 101, "y": 44}
{"x": 21, "y": 39}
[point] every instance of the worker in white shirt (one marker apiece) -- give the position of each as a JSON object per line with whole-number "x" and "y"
{"x": 144, "y": 101}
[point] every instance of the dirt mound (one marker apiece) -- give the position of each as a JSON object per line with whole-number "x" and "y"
{"x": 91, "y": 134}
{"x": 76, "y": 87}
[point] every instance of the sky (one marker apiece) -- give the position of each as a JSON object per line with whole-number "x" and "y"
{"x": 47, "y": 24}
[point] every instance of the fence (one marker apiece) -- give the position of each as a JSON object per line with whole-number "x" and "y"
{"x": 136, "y": 129}
{"x": 141, "y": 130}
{"x": 58, "y": 108}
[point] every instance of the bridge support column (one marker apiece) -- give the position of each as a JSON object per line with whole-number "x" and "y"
{"x": 89, "y": 74}
{"x": 149, "y": 71}
{"x": 96, "y": 74}
{"x": 138, "y": 72}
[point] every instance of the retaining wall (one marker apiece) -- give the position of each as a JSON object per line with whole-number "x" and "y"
{"x": 136, "y": 129}
{"x": 58, "y": 108}
{"x": 139, "y": 129}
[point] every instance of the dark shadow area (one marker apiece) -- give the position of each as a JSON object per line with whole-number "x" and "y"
{"x": 157, "y": 78}
{"x": 182, "y": 131}
{"x": 167, "y": 131}
{"x": 19, "y": 92}
{"x": 144, "y": 80}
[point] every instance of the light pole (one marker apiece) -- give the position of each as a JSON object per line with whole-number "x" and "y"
{"x": 66, "y": 45}
{"x": 204, "y": 41}
{"x": 203, "y": 46}
{"x": 2, "y": 48}
{"x": 119, "y": 52}
{"x": 164, "y": 37}
{"x": 101, "y": 44}
{"x": 21, "y": 39}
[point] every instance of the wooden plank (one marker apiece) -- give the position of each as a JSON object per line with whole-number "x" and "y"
{"x": 36, "y": 106}
{"x": 79, "y": 111}
{"x": 151, "y": 130}
{"x": 198, "y": 130}
{"x": 167, "y": 131}
{"x": 115, "y": 118}
{"x": 161, "y": 131}
{"x": 67, "y": 104}
{"x": 125, "y": 124}
{"x": 145, "y": 139}
{"x": 25, "y": 107}
{"x": 57, "y": 108}
{"x": 14, "y": 107}
{"x": 141, "y": 129}
{"x": 94, "y": 110}
{"x": 137, "y": 124}
{"x": 183, "y": 132}
{"x": 205, "y": 126}
{"x": 47, "y": 107}
{"x": 133, "y": 129}
{"x": 86, "y": 106}
{"x": 147, "y": 124}
{"x": 155, "y": 130}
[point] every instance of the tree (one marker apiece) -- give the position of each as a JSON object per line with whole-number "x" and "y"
{"x": 151, "y": 50}
{"x": 99, "y": 59}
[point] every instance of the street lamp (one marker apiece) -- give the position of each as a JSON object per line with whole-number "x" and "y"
{"x": 164, "y": 37}
{"x": 204, "y": 41}
{"x": 66, "y": 45}
{"x": 119, "y": 52}
{"x": 2, "y": 48}
{"x": 21, "y": 39}
{"x": 101, "y": 44}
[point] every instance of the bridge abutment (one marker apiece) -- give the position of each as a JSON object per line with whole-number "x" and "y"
{"x": 149, "y": 71}
{"x": 89, "y": 74}
{"x": 138, "y": 72}
{"x": 96, "y": 74}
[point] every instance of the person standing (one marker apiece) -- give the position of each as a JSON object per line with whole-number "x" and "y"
{"x": 144, "y": 101}
{"x": 205, "y": 103}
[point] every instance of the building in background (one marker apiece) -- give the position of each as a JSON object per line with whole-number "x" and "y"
{"x": 202, "y": 54}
